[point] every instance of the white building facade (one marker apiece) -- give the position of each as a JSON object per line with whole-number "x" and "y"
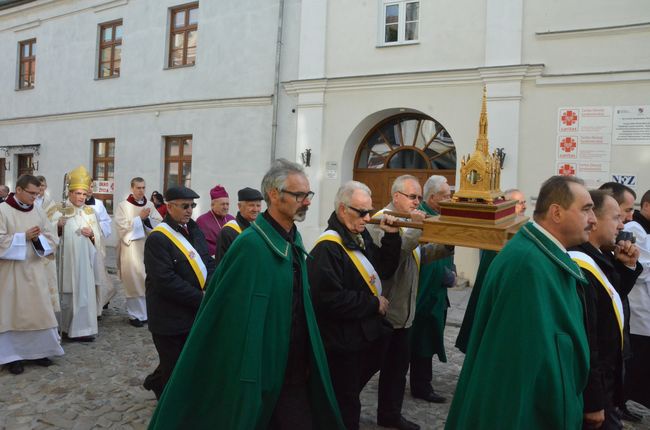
{"x": 347, "y": 73}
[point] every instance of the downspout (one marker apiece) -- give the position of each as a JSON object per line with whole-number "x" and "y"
{"x": 276, "y": 89}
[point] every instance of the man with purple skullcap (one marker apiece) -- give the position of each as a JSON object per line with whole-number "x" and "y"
{"x": 213, "y": 220}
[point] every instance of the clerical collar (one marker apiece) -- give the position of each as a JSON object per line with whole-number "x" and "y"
{"x": 17, "y": 204}
{"x": 550, "y": 236}
{"x": 135, "y": 202}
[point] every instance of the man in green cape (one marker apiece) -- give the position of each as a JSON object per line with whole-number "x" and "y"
{"x": 484, "y": 264}
{"x": 427, "y": 332}
{"x": 254, "y": 358}
{"x": 528, "y": 359}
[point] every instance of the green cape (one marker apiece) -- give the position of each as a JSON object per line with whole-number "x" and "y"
{"x": 427, "y": 332}
{"x": 528, "y": 359}
{"x": 466, "y": 327}
{"x": 231, "y": 370}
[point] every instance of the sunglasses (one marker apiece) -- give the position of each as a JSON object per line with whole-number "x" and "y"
{"x": 184, "y": 206}
{"x": 411, "y": 196}
{"x": 362, "y": 212}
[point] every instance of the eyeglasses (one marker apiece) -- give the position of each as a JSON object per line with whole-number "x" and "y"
{"x": 184, "y": 206}
{"x": 411, "y": 196}
{"x": 300, "y": 196}
{"x": 362, "y": 212}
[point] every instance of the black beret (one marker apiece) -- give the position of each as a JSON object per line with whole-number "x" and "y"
{"x": 180, "y": 193}
{"x": 249, "y": 195}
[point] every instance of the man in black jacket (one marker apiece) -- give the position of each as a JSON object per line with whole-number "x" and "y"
{"x": 178, "y": 266}
{"x": 344, "y": 275}
{"x": 249, "y": 205}
{"x": 611, "y": 277}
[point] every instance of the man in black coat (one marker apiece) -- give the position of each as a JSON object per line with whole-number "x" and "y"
{"x": 344, "y": 275}
{"x": 611, "y": 277}
{"x": 249, "y": 205}
{"x": 178, "y": 266}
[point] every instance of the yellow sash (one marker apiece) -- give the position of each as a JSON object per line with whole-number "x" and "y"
{"x": 372, "y": 280}
{"x": 416, "y": 251}
{"x": 188, "y": 251}
{"x": 587, "y": 263}
{"x": 234, "y": 225}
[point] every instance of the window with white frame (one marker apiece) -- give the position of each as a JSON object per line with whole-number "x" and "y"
{"x": 400, "y": 22}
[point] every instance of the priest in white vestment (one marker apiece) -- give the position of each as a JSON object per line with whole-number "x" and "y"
{"x": 106, "y": 291}
{"x": 135, "y": 219}
{"x": 28, "y": 326}
{"x": 48, "y": 206}
{"x": 80, "y": 266}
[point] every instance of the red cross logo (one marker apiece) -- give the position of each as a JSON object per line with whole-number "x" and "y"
{"x": 568, "y": 144}
{"x": 569, "y": 118}
{"x": 567, "y": 170}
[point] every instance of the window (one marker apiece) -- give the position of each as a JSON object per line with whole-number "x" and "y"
{"x": 25, "y": 165}
{"x": 110, "y": 49}
{"x": 178, "y": 161}
{"x": 2, "y": 171}
{"x": 104, "y": 171}
{"x": 183, "y": 32}
{"x": 27, "y": 66}
{"x": 400, "y": 22}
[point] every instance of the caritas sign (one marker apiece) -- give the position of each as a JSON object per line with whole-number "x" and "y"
{"x": 103, "y": 187}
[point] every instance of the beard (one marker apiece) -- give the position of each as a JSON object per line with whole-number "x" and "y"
{"x": 300, "y": 215}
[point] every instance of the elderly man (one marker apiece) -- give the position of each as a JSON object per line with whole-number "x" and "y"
{"x": 528, "y": 358}
{"x": 80, "y": 265}
{"x": 4, "y": 192}
{"x": 257, "y": 327}
{"x": 427, "y": 332}
{"x": 135, "y": 218}
{"x": 177, "y": 266}
{"x": 484, "y": 264}
{"x": 28, "y": 327}
{"x": 611, "y": 276}
{"x": 401, "y": 292}
{"x": 345, "y": 275}
{"x": 637, "y": 379}
{"x": 249, "y": 205}
{"x": 216, "y": 218}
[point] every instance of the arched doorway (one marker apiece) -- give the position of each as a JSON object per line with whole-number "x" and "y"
{"x": 408, "y": 143}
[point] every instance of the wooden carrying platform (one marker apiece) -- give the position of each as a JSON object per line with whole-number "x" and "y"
{"x": 471, "y": 234}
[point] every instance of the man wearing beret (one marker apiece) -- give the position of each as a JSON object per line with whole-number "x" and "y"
{"x": 178, "y": 267}
{"x": 249, "y": 205}
{"x": 216, "y": 218}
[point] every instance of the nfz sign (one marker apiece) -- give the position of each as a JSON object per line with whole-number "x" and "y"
{"x": 629, "y": 180}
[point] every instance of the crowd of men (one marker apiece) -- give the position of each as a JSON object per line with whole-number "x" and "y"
{"x": 253, "y": 330}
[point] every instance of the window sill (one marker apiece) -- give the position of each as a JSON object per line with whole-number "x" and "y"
{"x": 392, "y": 44}
{"x": 26, "y": 88}
{"x": 107, "y": 78}
{"x": 184, "y": 66}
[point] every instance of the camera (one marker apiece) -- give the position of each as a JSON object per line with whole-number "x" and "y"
{"x": 625, "y": 235}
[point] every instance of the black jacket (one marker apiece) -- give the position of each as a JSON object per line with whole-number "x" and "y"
{"x": 604, "y": 386}
{"x": 346, "y": 309}
{"x": 227, "y": 236}
{"x": 173, "y": 292}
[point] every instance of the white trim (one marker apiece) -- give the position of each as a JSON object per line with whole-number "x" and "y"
{"x": 149, "y": 108}
{"x": 17, "y": 250}
{"x": 591, "y": 31}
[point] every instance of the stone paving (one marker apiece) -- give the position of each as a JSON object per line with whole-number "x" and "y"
{"x": 98, "y": 384}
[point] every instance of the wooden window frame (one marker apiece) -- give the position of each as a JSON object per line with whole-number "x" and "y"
{"x": 180, "y": 159}
{"x": 26, "y": 65}
{"x": 185, "y": 29}
{"x": 2, "y": 171}
{"x": 22, "y": 169}
{"x": 97, "y": 160}
{"x": 113, "y": 44}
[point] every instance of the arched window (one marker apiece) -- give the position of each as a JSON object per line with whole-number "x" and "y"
{"x": 406, "y": 143}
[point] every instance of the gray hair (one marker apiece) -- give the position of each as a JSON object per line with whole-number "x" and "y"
{"x": 433, "y": 186}
{"x": 275, "y": 178}
{"x": 344, "y": 194}
{"x": 509, "y": 192}
{"x": 398, "y": 184}
{"x": 5, "y": 188}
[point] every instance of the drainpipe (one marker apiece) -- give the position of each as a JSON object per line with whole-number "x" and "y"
{"x": 276, "y": 89}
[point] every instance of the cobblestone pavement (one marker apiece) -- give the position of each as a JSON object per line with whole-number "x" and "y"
{"x": 98, "y": 385}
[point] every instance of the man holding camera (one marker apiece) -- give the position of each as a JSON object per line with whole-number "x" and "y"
{"x": 610, "y": 265}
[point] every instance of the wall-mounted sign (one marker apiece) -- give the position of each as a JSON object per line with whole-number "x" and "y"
{"x": 104, "y": 187}
{"x": 632, "y": 125}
